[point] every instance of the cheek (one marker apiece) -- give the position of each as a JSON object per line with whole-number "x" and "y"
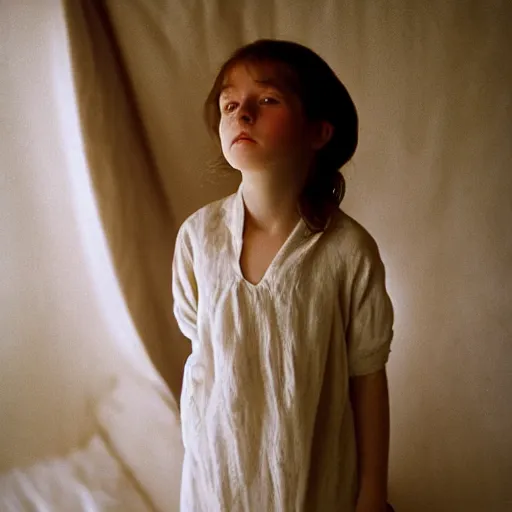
{"x": 286, "y": 130}
{"x": 224, "y": 133}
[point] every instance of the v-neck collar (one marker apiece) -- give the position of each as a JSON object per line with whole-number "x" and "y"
{"x": 298, "y": 233}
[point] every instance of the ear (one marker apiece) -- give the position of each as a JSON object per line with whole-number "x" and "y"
{"x": 321, "y": 134}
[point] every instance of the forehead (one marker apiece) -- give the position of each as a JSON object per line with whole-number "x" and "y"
{"x": 264, "y": 74}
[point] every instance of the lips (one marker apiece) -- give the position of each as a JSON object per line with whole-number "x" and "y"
{"x": 242, "y": 136}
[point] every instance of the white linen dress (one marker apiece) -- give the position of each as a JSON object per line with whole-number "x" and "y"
{"x": 267, "y": 422}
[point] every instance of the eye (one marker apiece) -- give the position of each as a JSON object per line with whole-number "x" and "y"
{"x": 269, "y": 101}
{"x": 229, "y": 107}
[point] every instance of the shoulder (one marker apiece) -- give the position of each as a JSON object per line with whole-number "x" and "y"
{"x": 360, "y": 265}
{"x": 351, "y": 239}
{"x": 208, "y": 219}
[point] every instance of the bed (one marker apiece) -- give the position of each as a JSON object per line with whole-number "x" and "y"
{"x": 132, "y": 462}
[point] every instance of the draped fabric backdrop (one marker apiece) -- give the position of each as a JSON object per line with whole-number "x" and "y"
{"x": 104, "y": 155}
{"x": 133, "y": 199}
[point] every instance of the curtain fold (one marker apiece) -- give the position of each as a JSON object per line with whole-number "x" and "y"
{"x": 430, "y": 180}
{"x": 131, "y": 198}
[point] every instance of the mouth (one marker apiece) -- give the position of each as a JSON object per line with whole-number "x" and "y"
{"x": 241, "y": 138}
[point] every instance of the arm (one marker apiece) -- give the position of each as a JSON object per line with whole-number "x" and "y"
{"x": 184, "y": 286}
{"x": 185, "y": 295}
{"x": 369, "y": 335}
{"x": 370, "y": 403}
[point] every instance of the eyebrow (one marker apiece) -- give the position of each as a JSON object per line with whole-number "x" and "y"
{"x": 269, "y": 82}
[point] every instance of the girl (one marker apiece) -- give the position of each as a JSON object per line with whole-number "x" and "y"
{"x": 284, "y": 403}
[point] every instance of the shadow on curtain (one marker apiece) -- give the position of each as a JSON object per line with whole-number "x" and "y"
{"x": 132, "y": 201}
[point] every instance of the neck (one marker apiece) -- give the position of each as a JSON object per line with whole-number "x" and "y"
{"x": 271, "y": 203}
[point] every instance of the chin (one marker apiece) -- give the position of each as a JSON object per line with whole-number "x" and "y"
{"x": 250, "y": 169}
{"x": 247, "y": 164}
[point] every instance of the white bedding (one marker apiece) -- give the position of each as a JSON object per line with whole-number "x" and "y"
{"x": 90, "y": 479}
{"x": 132, "y": 464}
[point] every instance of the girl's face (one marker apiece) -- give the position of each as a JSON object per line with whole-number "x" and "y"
{"x": 262, "y": 125}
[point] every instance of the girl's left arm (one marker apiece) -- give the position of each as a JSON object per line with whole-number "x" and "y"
{"x": 370, "y": 403}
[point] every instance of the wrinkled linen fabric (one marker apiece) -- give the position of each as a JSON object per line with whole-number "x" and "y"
{"x": 266, "y": 417}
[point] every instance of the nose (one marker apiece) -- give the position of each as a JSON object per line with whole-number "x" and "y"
{"x": 246, "y": 118}
{"x": 247, "y": 113}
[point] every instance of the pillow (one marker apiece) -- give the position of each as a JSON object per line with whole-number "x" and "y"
{"x": 141, "y": 423}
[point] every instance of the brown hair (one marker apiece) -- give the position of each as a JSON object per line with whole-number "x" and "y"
{"x": 324, "y": 98}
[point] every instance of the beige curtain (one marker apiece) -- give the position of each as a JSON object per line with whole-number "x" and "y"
{"x": 132, "y": 197}
{"x": 431, "y": 180}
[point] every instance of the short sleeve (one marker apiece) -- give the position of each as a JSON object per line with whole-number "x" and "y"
{"x": 370, "y": 329}
{"x": 184, "y": 286}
